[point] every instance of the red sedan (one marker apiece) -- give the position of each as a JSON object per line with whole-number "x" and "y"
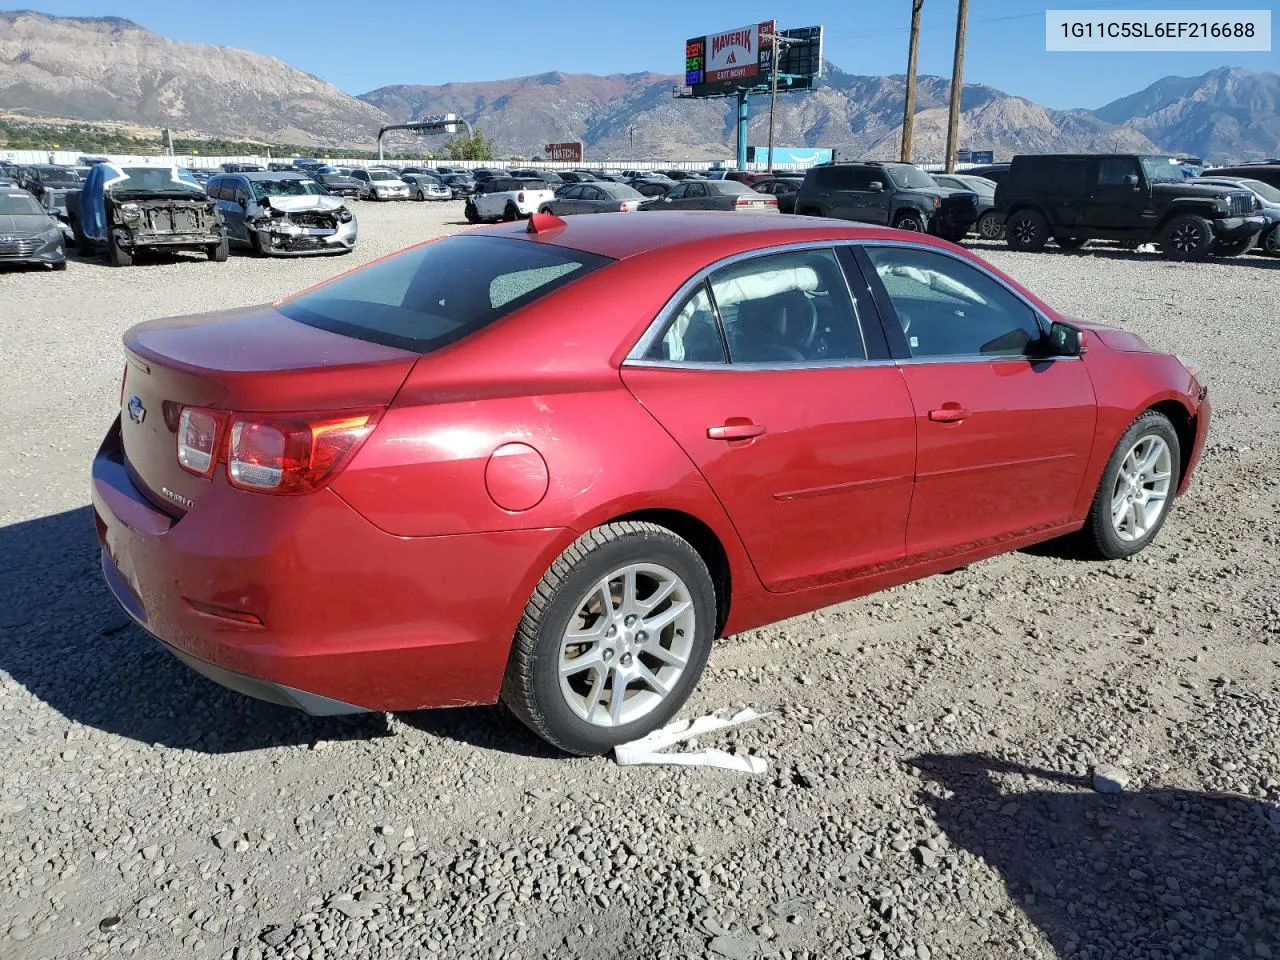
{"x": 552, "y": 462}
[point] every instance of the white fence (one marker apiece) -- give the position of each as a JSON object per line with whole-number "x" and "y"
{"x": 198, "y": 162}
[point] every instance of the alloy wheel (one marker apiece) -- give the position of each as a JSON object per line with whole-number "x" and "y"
{"x": 627, "y": 644}
{"x": 990, "y": 228}
{"x": 1023, "y": 230}
{"x": 1184, "y": 238}
{"x": 1141, "y": 492}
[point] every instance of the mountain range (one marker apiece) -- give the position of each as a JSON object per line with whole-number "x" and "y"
{"x": 107, "y": 68}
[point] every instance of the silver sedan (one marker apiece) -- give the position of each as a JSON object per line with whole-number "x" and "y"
{"x": 599, "y": 197}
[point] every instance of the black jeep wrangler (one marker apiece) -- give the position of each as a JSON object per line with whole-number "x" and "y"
{"x": 1074, "y": 198}
{"x": 892, "y": 194}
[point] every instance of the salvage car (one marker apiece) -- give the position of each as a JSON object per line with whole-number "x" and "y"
{"x": 397, "y": 502}
{"x": 990, "y": 225}
{"x": 28, "y": 234}
{"x": 123, "y": 211}
{"x": 380, "y": 184}
{"x": 712, "y": 195}
{"x": 1072, "y": 199}
{"x": 593, "y": 198}
{"x": 1269, "y": 199}
{"x": 283, "y": 214}
{"x": 426, "y": 186}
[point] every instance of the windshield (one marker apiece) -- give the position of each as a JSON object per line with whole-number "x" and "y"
{"x": 906, "y": 177}
{"x": 437, "y": 293}
{"x": 286, "y": 188}
{"x": 19, "y": 205}
{"x": 153, "y": 180}
{"x": 57, "y": 173}
{"x": 1265, "y": 190}
{"x": 382, "y": 175}
{"x": 1163, "y": 169}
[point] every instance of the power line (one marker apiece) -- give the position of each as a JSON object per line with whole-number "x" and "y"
{"x": 1123, "y": 4}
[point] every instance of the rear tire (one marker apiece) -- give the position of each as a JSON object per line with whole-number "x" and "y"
{"x": 469, "y": 211}
{"x": 1187, "y": 237}
{"x": 77, "y": 232}
{"x": 1270, "y": 241}
{"x": 1026, "y": 231}
{"x": 1103, "y": 535}
{"x": 420, "y": 197}
{"x": 511, "y": 213}
{"x": 631, "y": 558}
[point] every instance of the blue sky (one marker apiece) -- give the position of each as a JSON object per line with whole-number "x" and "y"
{"x": 360, "y": 46}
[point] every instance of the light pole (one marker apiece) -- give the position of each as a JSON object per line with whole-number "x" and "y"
{"x": 778, "y": 41}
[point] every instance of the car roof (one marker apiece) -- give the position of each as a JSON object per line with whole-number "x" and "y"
{"x": 626, "y": 235}
{"x": 271, "y": 175}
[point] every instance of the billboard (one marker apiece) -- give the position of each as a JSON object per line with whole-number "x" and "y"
{"x": 982, "y": 156}
{"x": 740, "y": 57}
{"x": 809, "y": 156}
{"x": 571, "y": 152}
{"x": 720, "y": 64}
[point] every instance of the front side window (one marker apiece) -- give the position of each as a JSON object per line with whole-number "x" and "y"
{"x": 791, "y": 307}
{"x": 692, "y": 336}
{"x": 437, "y": 293}
{"x": 949, "y": 308}
{"x": 1113, "y": 170}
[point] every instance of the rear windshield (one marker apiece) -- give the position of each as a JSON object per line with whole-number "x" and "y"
{"x": 730, "y": 187}
{"x": 433, "y": 295}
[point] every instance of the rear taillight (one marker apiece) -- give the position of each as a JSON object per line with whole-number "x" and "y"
{"x": 198, "y": 441}
{"x": 286, "y": 453}
{"x": 293, "y": 454}
{"x": 743, "y": 202}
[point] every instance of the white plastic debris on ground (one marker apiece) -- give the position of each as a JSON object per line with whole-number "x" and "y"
{"x": 648, "y": 749}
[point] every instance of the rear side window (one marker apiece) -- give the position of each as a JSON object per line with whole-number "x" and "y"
{"x": 834, "y": 178}
{"x": 433, "y": 295}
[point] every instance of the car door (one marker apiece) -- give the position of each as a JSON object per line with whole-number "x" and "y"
{"x": 696, "y": 196}
{"x": 674, "y": 198}
{"x": 776, "y": 382}
{"x": 1003, "y": 433}
{"x": 872, "y": 205}
{"x": 1115, "y": 201}
{"x": 234, "y": 210}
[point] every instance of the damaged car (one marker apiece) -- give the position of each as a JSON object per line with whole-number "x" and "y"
{"x": 283, "y": 214}
{"x": 124, "y": 211}
{"x": 28, "y": 234}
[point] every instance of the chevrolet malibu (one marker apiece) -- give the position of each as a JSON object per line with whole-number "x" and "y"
{"x": 552, "y": 462}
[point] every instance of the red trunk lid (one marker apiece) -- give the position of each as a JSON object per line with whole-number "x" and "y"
{"x": 252, "y": 360}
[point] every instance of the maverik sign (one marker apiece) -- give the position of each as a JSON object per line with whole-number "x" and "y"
{"x": 733, "y": 57}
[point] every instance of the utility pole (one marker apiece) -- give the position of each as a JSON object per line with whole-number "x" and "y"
{"x": 909, "y": 110}
{"x": 775, "y": 46}
{"x": 957, "y": 86}
{"x": 633, "y": 144}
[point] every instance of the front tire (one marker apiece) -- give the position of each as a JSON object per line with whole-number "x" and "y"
{"x": 470, "y": 212}
{"x": 1234, "y": 248}
{"x": 613, "y": 640}
{"x": 1026, "y": 231}
{"x": 1187, "y": 237}
{"x": 1270, "y": 241}
{"x": 117, "y": 255}
{"x": 219, "y": 252}
{"x": 1070, "y": 243}
{"x": 911, "y": 222}
{"x": 1137, "y": 487}
{"x": 990, "y": 226}
{"x": 511, "y": 213}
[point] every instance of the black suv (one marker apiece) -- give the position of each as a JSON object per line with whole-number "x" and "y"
{"x": 893, "y": 194}
{"x": 1268, "y": 172}
{"x": 1074, "y": 198}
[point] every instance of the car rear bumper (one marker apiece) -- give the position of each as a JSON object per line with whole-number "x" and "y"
{"x": 300, "y": 600}
{"x": 1234, "y": 227}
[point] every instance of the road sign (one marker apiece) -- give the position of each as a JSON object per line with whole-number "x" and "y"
{"x": 571, "y": 151}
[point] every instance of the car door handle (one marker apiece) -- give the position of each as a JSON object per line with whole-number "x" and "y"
{"x": 948, "y": 413}
{"x": 732, "y": 430}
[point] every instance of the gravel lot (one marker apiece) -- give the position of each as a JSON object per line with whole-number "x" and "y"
{"x": 932, "y": 749}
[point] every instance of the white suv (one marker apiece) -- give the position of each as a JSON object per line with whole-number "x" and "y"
{"x": 507, "y": 198}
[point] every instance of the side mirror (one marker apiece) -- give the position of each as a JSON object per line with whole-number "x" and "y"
{"x": 1131, "y": 179}
{"x": 1064, "y": 341}
{"x": 875, "y": 185}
